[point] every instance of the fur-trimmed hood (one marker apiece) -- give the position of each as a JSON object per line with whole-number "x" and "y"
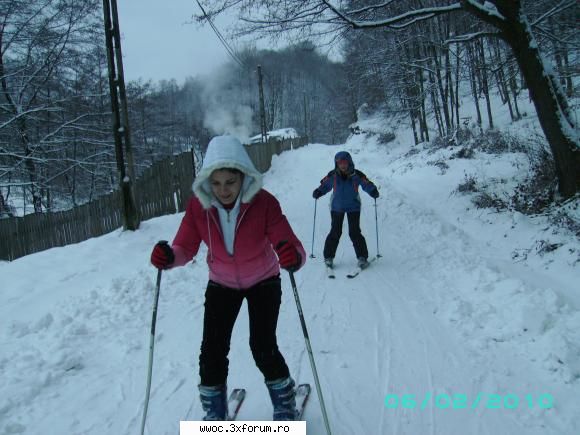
{"x": 226, "y": 152}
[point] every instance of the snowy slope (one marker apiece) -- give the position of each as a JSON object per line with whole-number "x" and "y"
{"x": 446, "y": 311}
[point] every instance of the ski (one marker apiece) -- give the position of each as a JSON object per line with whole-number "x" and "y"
{"x": 330, "y": 272}
{"x": 359, "y": 269}
{"x": 302, "y": 395}
{"x": 354, "y": 273}
{"x": 235, "y": 401}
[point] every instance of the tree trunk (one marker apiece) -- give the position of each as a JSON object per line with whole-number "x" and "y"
{"x": 568, "y": 73}
{"x": 561, "y": 59}
{"x": 473, "y": 80}
{"x": 413, "y": 125}
{"x": 553, "y": 117}
{"x": 514, "y": 88}
{"x": 435, "y": 104}
{"x": 457, "y": 80}
{"x": 423, "y": 112}
{"x": 501, "y": 81}
{"x": 423, "y": 128}
{"x": 484, "y": 81}
{"x": 440, "y": 87}
{"x": 550, "y": 102}
{"x": 449, "y": 95}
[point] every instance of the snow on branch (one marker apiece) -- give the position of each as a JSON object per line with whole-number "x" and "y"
{"x": 564, "y": 4}
{"x": 370, "y": 8}
{"x": 25, "y": 113}
{"x": 487, "y": 11}
{"x": 471, "y": 36}
{"x": 400, "y": 21}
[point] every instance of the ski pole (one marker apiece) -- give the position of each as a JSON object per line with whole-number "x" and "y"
{"x": 313, "y": 227}
{"x": 310, "y": 355}
{"x": 151, "y": 345}
{"x": 377, "y": 227}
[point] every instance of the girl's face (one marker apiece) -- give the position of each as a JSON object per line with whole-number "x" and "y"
{"x": 342, "y": 165}
{"x": 225, "y": 185}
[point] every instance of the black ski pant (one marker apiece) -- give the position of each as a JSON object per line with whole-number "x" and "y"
{"x": 222, "y": 305}
{"x": 358, "y": 241}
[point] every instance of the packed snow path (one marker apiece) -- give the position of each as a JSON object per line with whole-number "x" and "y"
{"x": 74, "y": 323}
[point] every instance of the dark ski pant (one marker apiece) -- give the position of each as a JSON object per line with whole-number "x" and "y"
{"x": 358, "y": 241}
{"x": 222, "y": 305}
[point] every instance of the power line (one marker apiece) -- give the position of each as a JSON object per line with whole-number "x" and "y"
{"x": 229, "y": 49}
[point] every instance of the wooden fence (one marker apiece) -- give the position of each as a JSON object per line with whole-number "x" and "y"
{"x": 261, "y": 153}
{"x": 162, "y": 189}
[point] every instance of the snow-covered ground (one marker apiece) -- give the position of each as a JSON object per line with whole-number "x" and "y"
{"x": 451, "y": 309}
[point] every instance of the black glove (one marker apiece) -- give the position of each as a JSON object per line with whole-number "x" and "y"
{"x": 162, "y": 256}
{"x": 374, "y": 193}
{"x": 316, "y": 194}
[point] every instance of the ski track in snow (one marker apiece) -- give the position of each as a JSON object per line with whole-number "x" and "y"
{"x": 417, "y": 321}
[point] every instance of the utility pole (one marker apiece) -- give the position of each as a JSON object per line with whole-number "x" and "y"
{"x": 131, "y": 218}
{"x": 262, "y": 109}
{"x": 305, "y": 117}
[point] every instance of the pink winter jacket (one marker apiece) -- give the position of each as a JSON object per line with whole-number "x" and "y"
{"x": 260, "y": 227}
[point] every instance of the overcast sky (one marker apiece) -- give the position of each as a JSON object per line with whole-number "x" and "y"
{"x": 157, "y": 42}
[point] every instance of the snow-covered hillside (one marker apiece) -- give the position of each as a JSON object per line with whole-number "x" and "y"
{"x": 450, "y": 310}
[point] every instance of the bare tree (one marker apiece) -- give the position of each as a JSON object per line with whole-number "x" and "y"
{"x": 506, "y": 18}
{"x": 40, "y": 42}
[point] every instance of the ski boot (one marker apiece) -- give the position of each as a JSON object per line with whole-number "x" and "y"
{"x": 283, "y": 397}
{"x": 363, "y": 262}
{"x": 214, "y": 402}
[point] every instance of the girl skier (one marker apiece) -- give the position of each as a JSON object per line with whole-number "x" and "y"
{"x": 344, "y": 181}
{"x": 248, "y": 239}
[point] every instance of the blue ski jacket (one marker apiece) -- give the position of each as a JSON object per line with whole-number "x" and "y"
{"x": 345, "y": 187}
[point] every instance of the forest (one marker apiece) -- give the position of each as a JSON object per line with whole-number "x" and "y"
{"x": 420, "y": 62}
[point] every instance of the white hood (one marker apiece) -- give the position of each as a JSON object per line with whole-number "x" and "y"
{"x": 226, "y": 152}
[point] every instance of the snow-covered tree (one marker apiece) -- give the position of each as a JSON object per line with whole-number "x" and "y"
{"x": 49, "y": 121}
{"x": 507, "y": 20}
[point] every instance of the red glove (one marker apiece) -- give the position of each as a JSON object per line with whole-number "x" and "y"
{"x": 162, "y": 256}
{"x": 288, "y": 256}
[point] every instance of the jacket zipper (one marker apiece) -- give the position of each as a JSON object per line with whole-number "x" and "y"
{"x": 240, "y": 217}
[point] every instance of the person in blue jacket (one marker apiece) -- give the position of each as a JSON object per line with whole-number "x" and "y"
{"x": 344, "y": 181}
